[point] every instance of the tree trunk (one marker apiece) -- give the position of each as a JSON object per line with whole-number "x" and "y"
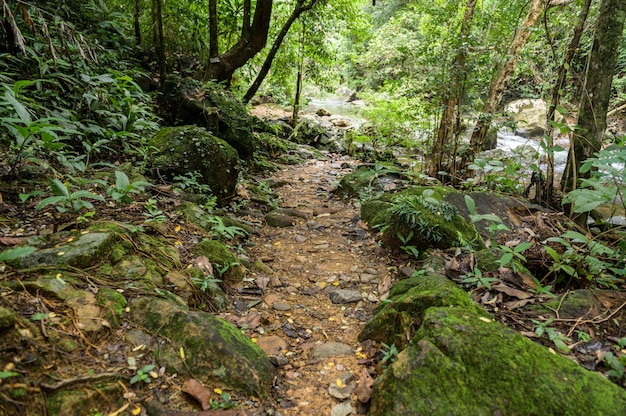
{"x": 301, "y": 7}
{"x": 450, "y": 119}
{"x": 136, "y": 22}
{"x": 160, "y": 45}
{"x": 213, "y": 30}
{"x": 296, "y": 100}
{"x": 591, "y": 125}
{"x": 252, "y": 40}
{"x": 498, "y": 86}
{"x": 557, "y": 91}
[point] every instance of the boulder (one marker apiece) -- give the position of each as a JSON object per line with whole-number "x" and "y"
{"x": 188, "y": 101}
{"x": 530, "y": 116}
{"x": 462, "y": 363}
{"x": 215, "y": 351}
{"x": 179, "y": 150}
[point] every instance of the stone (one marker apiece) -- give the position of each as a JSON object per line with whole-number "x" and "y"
{"x": 83, "y": 251}
{"x": 343, "y": 296}
{"x": 83, "y": 401}
{"x": 220, "y": 257}
{"x": 281, "y": 306}
{"x": 216, "y": 351}
{"x": 8, "y": 318}
{"x": 278, "y": 220}
{"x": 113, "y": 304}
{"x": 272, "y": 344}
{"x": 300, "y": 238}
{"x": 180, "y": 150}
{"x": 330, "y": 349}
{"x": 342, "y": 409}
{"x": 530, "y": 116}
{"x": 461, "y": 363}
{"x": 86, "y": 308}
{"x": 342, "y": 387}
{"x": 368, "y": 278}
{"x": 262, "y": 267}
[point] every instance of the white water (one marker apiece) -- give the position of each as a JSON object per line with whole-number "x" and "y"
{"x": 508, "y": 141}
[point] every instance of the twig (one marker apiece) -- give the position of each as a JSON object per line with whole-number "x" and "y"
{"x": 68, "y": 382}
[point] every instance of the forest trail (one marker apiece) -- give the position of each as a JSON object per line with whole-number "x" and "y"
{"x": 322, "y": 253}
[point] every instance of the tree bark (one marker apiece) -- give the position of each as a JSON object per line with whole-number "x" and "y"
{"x": 591, "y": 125}
{"x": 252, "y": 40}
{"x": 213, "y": 30}
{"x": 557, "y": 91}
{"x": 301, "y": 7}
{"x": 451, "y": 117}
{"x": 136, "y": 23}
{"x": 160, "y": 45}
{"x": 498, "y": 86}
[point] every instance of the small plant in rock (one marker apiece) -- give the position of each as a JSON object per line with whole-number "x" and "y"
{"x": 476, "y": 277}
{"x": 190, "y": 182}
{"x": 226, "y": 402}
{"x": 143, "y": 374}
{"x": 220, "y": 230}
{"x": 513, "y": 257}
{"x": 542, "y": 290}
{"x": 64, "y": 199}
{"x": 407, "y": 248}
{"x": 390, "y": 353}
{"x": 205, "y": 282}
{"x": 121, "y": 192}
{"x": 616, "y": 364}
{"x": 557, "y": 338}
{"x": 153, "y": 214}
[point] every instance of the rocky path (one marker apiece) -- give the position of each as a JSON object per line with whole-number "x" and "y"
{"x": 325, "y": 275}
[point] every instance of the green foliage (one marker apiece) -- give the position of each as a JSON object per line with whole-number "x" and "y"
{"x": 476, "y": 277}
{"x": 226, "y": 402}
{"x": 153, "y": 214}
{"x": 65, "y": 199}
{"x": 407, "y": 248}
{"x": 190, "y": 182}
{"x": 513, "y": 257}
{"x": 607, "y": 184}
{"x": 205, "y": 282}
{"x": 121, "y": 192}
{"x": 390, "y": 353}
{"x": 495, "y": 174}
{"x": 222, "y": 231}
{"x": 558, "y": 339}
{"x": 143, "y": 374}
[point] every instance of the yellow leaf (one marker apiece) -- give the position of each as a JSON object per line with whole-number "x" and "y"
{"x": 253, "y": 340}
{"x": 69, "y": 240}
{"x": 58, "y": 276}
{"x": 361, "y": 355}
{"x": 182, "y": 353}
{"x": 189, "y": 266}
{"x": 218, "y": 391}
{"x": 136, "y": 411}
{"x": 277, "y": 243}
{"x": 177, "y": 228}
{"x": 335, "y": 283}
{"x": 154, "y": 374}
{"x": 61, "y": 253}
{"x": 482, "y": 318}
{"x": 339, "y": 383}
{"x": 177, "y": 243}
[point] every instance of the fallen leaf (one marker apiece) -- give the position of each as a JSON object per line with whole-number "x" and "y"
{"x": 516, "y": 293}
{"x": 364, "y": 388}
{"x": 204, "y": 264}
{"x": 262, "y": 282}
{"x": 196, "y": 390}
{"x": 362, "y": 225}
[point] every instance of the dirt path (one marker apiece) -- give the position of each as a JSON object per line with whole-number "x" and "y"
{"x": 321, "y": 253}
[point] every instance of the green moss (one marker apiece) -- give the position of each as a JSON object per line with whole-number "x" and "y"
{"x": 395, "y": 320}
{"x": 374, "y": 213}
{"x": 8, "y": 318}
{"x": 86, "y": 400}
{"x": 460, "y": 363}
{"x": 222, "y": 259}
{"x": 113, "y": 303}
{"x": 120, "y": 250}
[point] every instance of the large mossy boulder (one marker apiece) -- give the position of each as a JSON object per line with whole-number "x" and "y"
{"x": 368, "y": 179}
{"x": 421, "y": 217}
{"x": 180, "y": 150}
{"x": 461, "y": 363}
{"x": 395, "y": 320}
{"x": 188, "y": 101}
{"x": 225, "y": 264}
{"x": 216, "y": 352}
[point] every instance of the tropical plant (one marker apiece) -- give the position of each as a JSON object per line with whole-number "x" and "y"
{"x": 64, "y": 199}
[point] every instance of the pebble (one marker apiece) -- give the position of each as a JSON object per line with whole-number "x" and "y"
{"x": 314, "y": 225}
{"x": 407, "y": 271}
{"x": 343, "y": 296}
{"x": 300, "y": 238}
{"x": 342, "y": 409}
{"x": 342, "y": 387}
{"x": 272, "y": 345}
{"x": 279, "y": 360}
{"x": 371, "y": 270}
{"x": 330, "y": 349}
{"x": 281, "y": 306}
{"x": 368, "y": 278}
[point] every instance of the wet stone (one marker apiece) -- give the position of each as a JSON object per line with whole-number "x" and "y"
{"x": 368, "y": 278}
{"x": 342, "y": 387}
{"x": 343, "y": 296}
{"x": 281, "y": 306}
{"x": 330, "y": 349}
{"x": 300, "y": 238}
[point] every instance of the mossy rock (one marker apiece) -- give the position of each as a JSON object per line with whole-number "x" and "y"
{"x": 135, "y": 268}
{"x": 80, "y": 251}
{"x": 8, "y": 318}
{"x": 460, "y": 363}
{"x": 395, "y": 320}
{"x": 216, "y": 352}
{"x": 198, "y": 216}
{"x": 220, "y": 257}
{"x": 113, "y": 304}
{"x": 368, "y": 179}
{"x": 208, "y": 285}
{"x": 88, "y": 400}
{"x": 208, "y": 105}
{"x": 575, "y": 304}
{"x": 423, "y": 214}
{"x": 179, "y": 150}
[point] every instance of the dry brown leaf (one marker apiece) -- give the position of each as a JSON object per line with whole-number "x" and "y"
{"x": 516, "y": 293}
{"x": 362, "y": 225}
{"x": 453, "y": 265}
{"x": 204, "y": 264}
{"x": 518, "y": 303}
{"x": 196, "y": 390}
{"x": 385, "y": 284}
{"x": 364, "y": 388}
{"x": 262, "y": 282}
{"x": 12, "y": 241}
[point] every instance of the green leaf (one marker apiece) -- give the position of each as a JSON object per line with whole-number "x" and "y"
{"x": 555, "y": 256}
{"x": 51, "y": 201}
{"x": 59, "y": 188}
{"x": 15, "y": 253}
{"x": 575, "y": 236}
{"x": 520, "y": 248}
{"x": 506, "y": 259}
{"x": 87, "y": 194}
{"x": 470, "y": 204}
{"x": 121, "y": 180}
{"x": 39, "y": 316}
{"x": 7, "y": 374}
{"x": 562, "y": 346}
